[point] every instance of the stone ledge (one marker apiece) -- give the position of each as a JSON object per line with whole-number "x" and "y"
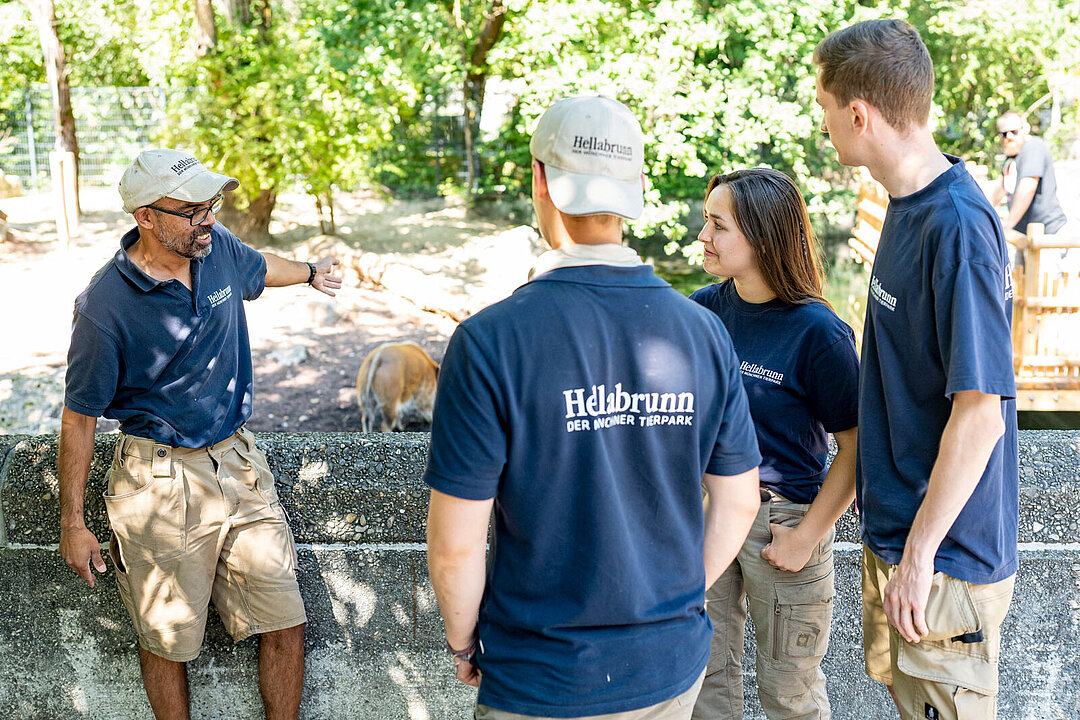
{"x": 368, "y": 488}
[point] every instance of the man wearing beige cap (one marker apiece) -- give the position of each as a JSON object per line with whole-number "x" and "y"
{"x": 587, "y": 409}
{"x": 159, "y": 342}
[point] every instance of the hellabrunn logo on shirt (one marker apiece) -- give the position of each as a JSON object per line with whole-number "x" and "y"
{"x": 601, "y": 409}
{"x": 219, "y": 296}
{"x": 879, "y": 293}
{"x": 761, "y": 372}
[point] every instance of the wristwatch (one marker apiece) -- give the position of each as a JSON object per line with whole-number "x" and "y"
{"x": 311, "y": 273}
{"x": 464, "y": 655}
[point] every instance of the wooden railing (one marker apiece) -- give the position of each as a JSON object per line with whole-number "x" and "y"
{"x": 1046, "y": 303}
{"x": 1046, "y": 322}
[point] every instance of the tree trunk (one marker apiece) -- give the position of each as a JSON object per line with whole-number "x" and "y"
{"x": 485, "y": 41}
{"x": 476, "y": 71}
{"x": 253, "y": 224}
{"x": 44, "y": 12}
{"x": 238, "y": 12}
{"x": 205, "y": 27}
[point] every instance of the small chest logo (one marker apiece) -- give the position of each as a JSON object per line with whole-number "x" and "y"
{"x": 932, "y": 713}
{"x": 761, "y": 372}
{"x": 219, "y": 296}
{"x": 882, "y": 296}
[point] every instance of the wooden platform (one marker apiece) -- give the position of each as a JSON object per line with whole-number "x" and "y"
{"x": 1046, "y": 303}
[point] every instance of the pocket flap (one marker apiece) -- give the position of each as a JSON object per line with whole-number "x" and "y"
{"x": 950, "y": 609}
{"x": 929, "y": 660}
{"x": 821, "y": 589}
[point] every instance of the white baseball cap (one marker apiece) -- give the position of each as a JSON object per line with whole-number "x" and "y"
{"x": 593, "y": 152}
{"x": 170, "y": 173}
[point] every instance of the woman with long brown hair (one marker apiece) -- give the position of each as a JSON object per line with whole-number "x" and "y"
{"x": 800, "y": 372}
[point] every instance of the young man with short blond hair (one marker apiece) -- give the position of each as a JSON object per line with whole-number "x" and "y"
{"x": 936, "y": 477}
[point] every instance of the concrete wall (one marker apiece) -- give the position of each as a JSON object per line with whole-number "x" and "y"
{"x": 374, "y": 637}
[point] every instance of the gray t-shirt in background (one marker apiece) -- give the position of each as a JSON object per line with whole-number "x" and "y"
{"x": 1034, "y": 160}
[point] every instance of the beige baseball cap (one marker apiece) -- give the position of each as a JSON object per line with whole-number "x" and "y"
{"x": 593, "y": 152}
{"x": 170, "y": 173}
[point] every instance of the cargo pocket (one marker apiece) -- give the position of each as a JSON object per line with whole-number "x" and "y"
{"x": 801, "y": 619}
{"x": 952, "y": 612}
{"x": 950, "y": 609}
{"x": 149, "y": 520}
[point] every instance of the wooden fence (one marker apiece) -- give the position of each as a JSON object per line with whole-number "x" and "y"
{"x": 1046, "y": 303}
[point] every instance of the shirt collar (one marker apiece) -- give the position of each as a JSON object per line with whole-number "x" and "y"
{"x": 127, "y": 266}
{"x": 611, "y": 254}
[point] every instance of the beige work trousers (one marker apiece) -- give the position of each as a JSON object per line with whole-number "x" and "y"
{"x": 791, "y": 612}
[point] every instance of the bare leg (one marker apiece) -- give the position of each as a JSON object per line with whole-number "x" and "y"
{"x": 166, "y": 686}
{"x": 281, "y": 672}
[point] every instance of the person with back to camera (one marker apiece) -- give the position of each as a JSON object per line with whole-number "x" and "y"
{"x": 586, "y": 409}
{"x": 937, "y": 479}
{"x": 801, "y": 374}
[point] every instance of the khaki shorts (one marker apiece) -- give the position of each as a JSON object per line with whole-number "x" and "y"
{"x": 191, "y": 526}
{"x": 677, "y": 708}
{"x": 941, "y": 677}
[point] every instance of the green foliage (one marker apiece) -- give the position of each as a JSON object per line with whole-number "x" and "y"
{"x": 339, "y": 92}
{"x": 715, "y": 88}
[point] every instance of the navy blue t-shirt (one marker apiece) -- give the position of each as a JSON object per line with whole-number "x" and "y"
{"x": 589, "y": 404}
{"x": 171, "y": 364}
{"x": 801, "y": 375}
{"x": 938, "y": 322}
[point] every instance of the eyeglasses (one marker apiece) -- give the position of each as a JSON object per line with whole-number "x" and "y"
{"x": 198, "y": 215}
{"x": 1009, "y": 133}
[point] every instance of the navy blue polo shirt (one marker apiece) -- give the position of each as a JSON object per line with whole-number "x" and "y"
{"x": 171, "y": 364}
{"x": 938, "y": 322}
{"x": 589, "y": 404}
{"x": 801, "y": 373}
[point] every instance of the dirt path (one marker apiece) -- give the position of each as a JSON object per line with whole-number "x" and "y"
{"x": 306, "y": 347}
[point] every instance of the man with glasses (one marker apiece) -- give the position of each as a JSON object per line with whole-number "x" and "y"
{"x": 1027, "y": 182}
{"x": 159, "y": 342}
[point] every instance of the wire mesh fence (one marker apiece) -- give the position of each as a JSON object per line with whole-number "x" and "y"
{"x": 112, "y": 124}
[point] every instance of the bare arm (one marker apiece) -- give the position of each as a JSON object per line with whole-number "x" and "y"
{"x": 281, "y": 272}
{"x": 973, "y": 429}
{"x": 731, "y": 505}
{"x": 457, "y": 550}
{"x": 998, "y": 193}
{"x": 1022, "y": 197}
{"x": 791, "y": 548}
{"x": 78, "y": 546}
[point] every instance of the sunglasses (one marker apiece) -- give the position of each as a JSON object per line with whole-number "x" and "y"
{"x": 1009, "y": 133}
{"x": 198, "y": 215}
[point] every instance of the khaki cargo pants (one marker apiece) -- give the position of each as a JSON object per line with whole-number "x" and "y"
{"x": 792, "y": 613}
{"x": 942, "y": 677}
